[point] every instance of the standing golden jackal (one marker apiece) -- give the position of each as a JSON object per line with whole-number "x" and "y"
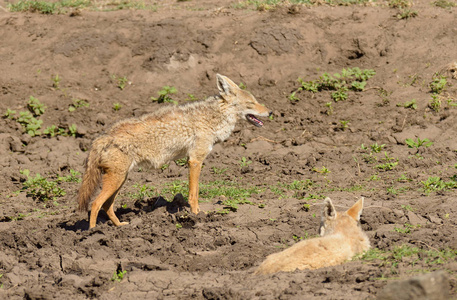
{"x": 154, "y": 139}
{"x": 341, "y": 239}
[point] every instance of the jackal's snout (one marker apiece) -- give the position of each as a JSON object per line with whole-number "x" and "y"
{"x": 252, "y": 119}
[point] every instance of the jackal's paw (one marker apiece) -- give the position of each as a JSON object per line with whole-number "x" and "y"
{"x": 123, "y": 223}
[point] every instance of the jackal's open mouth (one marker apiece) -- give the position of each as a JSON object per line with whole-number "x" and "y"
{"x": 254, "y": 120}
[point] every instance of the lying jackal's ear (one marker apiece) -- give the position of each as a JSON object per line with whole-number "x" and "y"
{"x": 356, "y": 210}
{"x": 226, "y": 86}
{"x": 329, "y": 211}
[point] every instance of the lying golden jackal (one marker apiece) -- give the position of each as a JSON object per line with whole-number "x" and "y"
{"x": 154, "y": 139}
{"x": 341, "y": 239}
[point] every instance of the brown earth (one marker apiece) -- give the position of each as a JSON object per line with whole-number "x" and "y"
{"x": 167, "y": 253}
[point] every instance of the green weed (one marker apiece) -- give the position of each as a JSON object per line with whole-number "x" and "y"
{"x": 165, "y": 95}
{"x": 406, "y": 14}
{"x": 77, "y": 103}
{"x": 39, "y": 188}
{"x": 438, "y": 84}
{"x": 30, "y": 125}
{"x": 340, "y": 83}
{"x": 35, "y": 106}
{"x": 119, "y": 275}
{"x": 344, "y": 124}
{"x": 377, "y": 148}
{"x": 435, "y": 183}
{"x": 10, "y": 114}
{"x": 418, "y": 143}
{"x": 56, "y": 81}
{"x": 435, "y": 103}
{"x": 409, "y": 104}
{"x": 244, "y": 162}
{"x": 444, "y": 4}
{"x": 74, "y": 176}
{"x": 142, "y": 192}
{"x": 117, "y": 106}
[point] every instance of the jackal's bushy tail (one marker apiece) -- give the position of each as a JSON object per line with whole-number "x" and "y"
{"x": 91, "y": 178}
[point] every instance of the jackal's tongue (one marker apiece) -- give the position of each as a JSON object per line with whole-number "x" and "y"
{"x": 254, "y": 120}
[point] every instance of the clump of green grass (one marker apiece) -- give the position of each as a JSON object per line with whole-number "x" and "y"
{"x": 409, "y": 104}
{"x": 77, "y": 103}
{"x": 418, "y": 143}
{"x": 340, "y": 84}
{"x": 40, "y": 188}
{"x": 118, "y": 275}
{"x": 49, "y": 8}
{"x": 444, "y": 4}
{"x": 234, "y": 192}
{"x": 406, "y": 254}
{"x": 435, "y": 183}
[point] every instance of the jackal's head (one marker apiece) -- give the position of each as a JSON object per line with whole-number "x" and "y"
{"x": 333, "y": 221}
{"x": 245, "y": 103}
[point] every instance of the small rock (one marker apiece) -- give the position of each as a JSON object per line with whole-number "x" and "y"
{"x": 433, "y": 286}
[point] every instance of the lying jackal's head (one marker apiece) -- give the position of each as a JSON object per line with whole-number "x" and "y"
{"x": 245, "y": 103}
{"x": 334, "y": 222}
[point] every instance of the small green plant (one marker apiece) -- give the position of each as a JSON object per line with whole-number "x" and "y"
{"x": 142, "y": 192}
{"x": 56, "y": 81}
{"x": 377, "y": 148}
{"x": 435, "y": 103}
{"x": 72, "y": 130}
{"x": 191, "y": 97}
{"x": 387, "y": 166}
{"x": 323, "y": 170}
{"x": 406, "y": 14}
{"x": 435, "y": 183}
{"x": 438, "y": 84}
{"x": 117, "y": 106}
{"x": 400, "y": 3}
{"x": 344, "y": 125}
{"x": 218, "y": 171}
{"x": 242, "y": 86}
{"x": 118, "y": 275}
{"x": 340, "y": 83}
{"x": 418, "y": 143}
{"x": 244, "y": 162}
{"x": 165, "y": 95}
{"x": 74, "y": 176}
{"x": 40, "y": 188}
{"x": 121, "y": 82}
{"x": 329, "y": 111}
{"x": 340, "y": 94}
{"x": 30, "y": 125}
{"x": 444, "y": 4}
{"x": 10, "y": 114}
{"x": 408, "y": 104}
{"x": 77, "y": 103}
{"x": 358, "y": 86}
{"x": 35, "y": 106}
{"x": 181, "y": 161}
{"x": 51, "y": 131}
{"x": 406, "y": 228}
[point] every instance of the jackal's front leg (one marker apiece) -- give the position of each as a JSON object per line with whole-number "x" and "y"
{"x": 195, "y": 168}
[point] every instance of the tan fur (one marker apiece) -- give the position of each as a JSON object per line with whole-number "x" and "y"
{"x": 154, "y": 139}
{"x": 341, "y": 239}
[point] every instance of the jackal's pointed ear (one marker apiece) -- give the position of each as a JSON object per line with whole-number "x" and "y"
{"x": 329, "y": 211}
{"x": 226, "y": 86}
{"x": 356, "y": 210}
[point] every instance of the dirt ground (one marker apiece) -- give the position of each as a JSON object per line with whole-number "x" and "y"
{"x": 312, "y": 147}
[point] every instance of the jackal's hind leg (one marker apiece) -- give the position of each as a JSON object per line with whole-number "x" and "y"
{"x": 108, "y": 206}
{"x": 112, "y": 182}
